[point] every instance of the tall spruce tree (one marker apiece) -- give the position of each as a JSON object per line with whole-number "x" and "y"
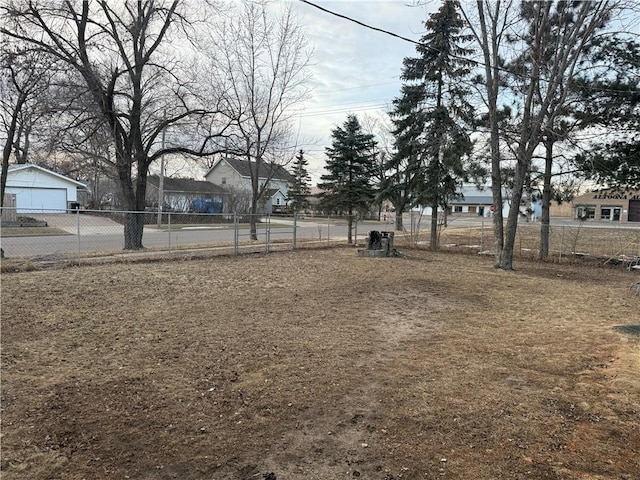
{"x": 300, "y": 191}
{"x": 351, "y": 166}
{"x": 432, "y": 117}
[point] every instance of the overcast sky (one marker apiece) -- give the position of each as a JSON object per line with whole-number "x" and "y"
{"x": 355, "y": 69}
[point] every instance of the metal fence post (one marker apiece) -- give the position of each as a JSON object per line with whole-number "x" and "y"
{"x": 295, "y": 225}
{"x": 267, "y": 233}
{"x": 78, "y": 231}
{"x": 235, "y": 234}
{"x": 355, "y": 231}
{"x": 169, "y": 229}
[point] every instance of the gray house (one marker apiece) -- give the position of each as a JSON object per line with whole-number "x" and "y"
{"x": 235, "y": 175}
{"x": 184, "y": 194}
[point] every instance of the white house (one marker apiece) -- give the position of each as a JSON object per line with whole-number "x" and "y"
{"x": 38, "y": 189}
{"x": 232, "y": 172}
{"x": 278, "y": 203}
{"x": 479, "y": 202}
{"x": 235, "y": 174}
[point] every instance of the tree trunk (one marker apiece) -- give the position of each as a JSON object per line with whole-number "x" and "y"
{"x": 134, "y": 200}
{"x": 133, "y": 229}
{"x": 399, "y": 225}
{"x": 253, "y": 218}
{"x": 489, "y": 40}
{"x": 433, "y": 244}
{"x": 506, "y": 259}
{"x": 350, "y": 227}
{"x": 6, "y": 151}
{"x": 545, "y": 227}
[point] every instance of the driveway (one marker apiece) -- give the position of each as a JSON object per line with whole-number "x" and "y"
{"x": 89, "y": 224}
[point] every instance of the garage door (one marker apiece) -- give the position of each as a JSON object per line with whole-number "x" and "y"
{"x": 33, "y": 200}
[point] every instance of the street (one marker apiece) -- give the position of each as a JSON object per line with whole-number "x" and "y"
{"x": 99, "y": 235}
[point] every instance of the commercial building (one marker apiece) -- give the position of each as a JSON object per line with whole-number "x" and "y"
{"x": 608, "y": 205}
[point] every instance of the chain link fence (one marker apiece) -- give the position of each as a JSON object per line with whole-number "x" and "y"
{"x": 81, "y": 236}
{"x": 569, "y": 240}
{"x": 85, "y": 236}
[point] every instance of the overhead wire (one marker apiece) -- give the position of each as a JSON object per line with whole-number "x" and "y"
{"x": 415, "y": 42}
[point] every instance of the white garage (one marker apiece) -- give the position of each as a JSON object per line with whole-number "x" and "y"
{"x": 37, "y": 189}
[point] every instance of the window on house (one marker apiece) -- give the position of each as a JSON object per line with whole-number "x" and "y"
{"x": 277, "y": 201}
{"x": 472, "y": 209}
{"x": 457, "y": 209}
{"x": 224, "y": 180}
{"x": 605, "y": 213}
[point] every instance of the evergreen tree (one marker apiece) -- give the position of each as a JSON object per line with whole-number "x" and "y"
{"x": 611, "y": 100}
{"x": 351, "y": 166}
{"x": 431, "y": 119}
{"x": 300, "y": 190}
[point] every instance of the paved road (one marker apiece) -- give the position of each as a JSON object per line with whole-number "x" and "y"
{"x": 98, "y": 234}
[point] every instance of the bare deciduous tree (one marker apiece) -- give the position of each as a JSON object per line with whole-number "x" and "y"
{"x": 24, "y": 77}
{"x": 543, "y": 85}
{"x": 127, "y": 58}
{"x": 262, "y": 65}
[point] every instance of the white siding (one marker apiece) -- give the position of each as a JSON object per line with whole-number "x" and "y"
{"x": 38, "y": 189}
{"x": 224, "y": 171}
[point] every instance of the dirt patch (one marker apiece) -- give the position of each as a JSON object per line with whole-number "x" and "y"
{"x": 320, "y": 365}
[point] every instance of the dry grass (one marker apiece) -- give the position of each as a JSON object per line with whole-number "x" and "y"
{"x": 320, "y": 365}
{"x": 32, "y": 231}
{"x": 565, "y": 242}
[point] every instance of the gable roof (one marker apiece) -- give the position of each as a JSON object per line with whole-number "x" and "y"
{"x": 187, "y": 185}
{"x": 269, "y": 170}
{"x": 26, "y": 166}
{"x": 271, "y": 192}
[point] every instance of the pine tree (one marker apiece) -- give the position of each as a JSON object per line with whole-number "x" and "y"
{"x": 300, "y": 190}
{"x": 351, "y": 166}
{"x": 431, "y": 119}
{"x": 611, "y": 100}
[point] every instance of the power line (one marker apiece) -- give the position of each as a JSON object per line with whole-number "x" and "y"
{"x": 406, "y": 39}
{"x": 362, "y": 24}
{"x": 359, "y": 87}
{"x": 344, "y": 110}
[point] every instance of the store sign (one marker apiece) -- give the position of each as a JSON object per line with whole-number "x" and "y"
{"x": 611, "y": 196}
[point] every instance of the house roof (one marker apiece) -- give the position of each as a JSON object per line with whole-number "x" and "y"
{"x": 476, "y": 195}
{"x": 270, "y": 192}
{"x": 266, "y": 170}
{"x": 187, "y": 185}
{"x": 473, "y": 200}
{"x": 27, "y": 166}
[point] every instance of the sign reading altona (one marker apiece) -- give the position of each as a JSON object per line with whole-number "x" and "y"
{"x": 610, "y": 196}
{"x": 616, "y": 196}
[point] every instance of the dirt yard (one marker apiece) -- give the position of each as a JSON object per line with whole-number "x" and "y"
{"x": 320, "y": 365}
